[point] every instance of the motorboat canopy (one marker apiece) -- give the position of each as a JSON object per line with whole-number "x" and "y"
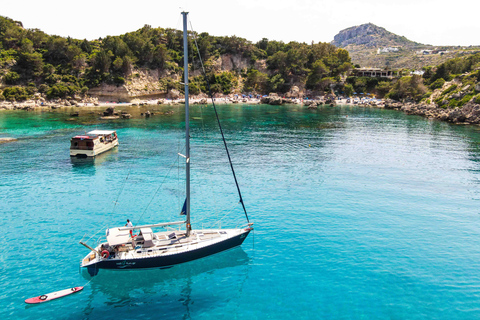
{"x": 101, "y": 132}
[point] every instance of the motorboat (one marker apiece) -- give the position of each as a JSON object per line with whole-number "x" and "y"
{"x": 93, "y": 143}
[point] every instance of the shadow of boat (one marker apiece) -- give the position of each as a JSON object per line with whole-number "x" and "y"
{"x": 119, "y": 283}
{"x": 177, "y": 292}
{"x": 79, "y": 162}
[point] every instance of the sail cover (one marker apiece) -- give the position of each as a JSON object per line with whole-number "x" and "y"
{"x": 115, "y": 236}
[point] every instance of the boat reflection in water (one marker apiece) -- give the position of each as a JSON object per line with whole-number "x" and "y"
{"x": 117, "y": 281}
{"x": 171, "y": 291}
{"x": 92, "y": 161}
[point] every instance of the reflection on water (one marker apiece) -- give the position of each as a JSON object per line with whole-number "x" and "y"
{"x": 78, "y": 162}
{"x": 178, "y": 285}
{"x": 122, "y": 282}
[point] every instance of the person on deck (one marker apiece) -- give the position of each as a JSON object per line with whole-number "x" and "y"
{"x": 130, "y": 225}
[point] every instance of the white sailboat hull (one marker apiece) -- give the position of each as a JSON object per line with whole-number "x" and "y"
{"x": 165, "y": 251}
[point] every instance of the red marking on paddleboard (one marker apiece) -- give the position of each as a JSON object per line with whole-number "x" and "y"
{"x": 53, "y": 295}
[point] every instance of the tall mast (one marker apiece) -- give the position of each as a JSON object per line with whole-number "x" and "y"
{"x": 187, "y": 121}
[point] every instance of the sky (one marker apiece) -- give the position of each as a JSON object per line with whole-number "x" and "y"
{"x": 435, "y": 22}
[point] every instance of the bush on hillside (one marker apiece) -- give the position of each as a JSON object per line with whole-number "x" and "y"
{"x": 409, "y": 87}
{"x": 11, "y": 77}
{"x": 16, "y": 94}
{"x": 465, "y": 99}
{"x": 477, "y": 99}
{"x": 437, "y": 84}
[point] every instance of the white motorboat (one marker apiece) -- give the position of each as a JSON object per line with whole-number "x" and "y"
{"x": 93, "y": 143}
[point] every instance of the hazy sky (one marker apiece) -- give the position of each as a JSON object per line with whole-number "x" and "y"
{"x": 438, "y": 22}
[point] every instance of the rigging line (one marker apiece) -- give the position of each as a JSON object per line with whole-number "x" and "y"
{"x": 204, "y": 131}
{"x": 121, "y": 190}
{"x": 208, "y": 162}
{"x": 105, "y": 227}
{"x": 219, "y": 125}
{"x": 125, "y": 181}
{"x": 156, "y": 192}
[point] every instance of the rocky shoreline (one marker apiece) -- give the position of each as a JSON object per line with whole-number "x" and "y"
{"x": 468, "y": 114}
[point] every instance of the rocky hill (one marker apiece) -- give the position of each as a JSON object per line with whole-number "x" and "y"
{"x": 370, "y": 36}
{"x": 375, "y": 47}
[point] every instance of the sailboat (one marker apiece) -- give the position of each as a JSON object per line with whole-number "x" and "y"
{"x": 164, "y": 249}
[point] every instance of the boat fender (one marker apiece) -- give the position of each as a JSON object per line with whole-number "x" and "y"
{"x": 105, "y": 254}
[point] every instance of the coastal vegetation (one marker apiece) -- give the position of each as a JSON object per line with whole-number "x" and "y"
{"x": 34, "y": 63}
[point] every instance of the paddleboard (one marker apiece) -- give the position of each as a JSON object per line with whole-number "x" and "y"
{"x": 53, "y": 295}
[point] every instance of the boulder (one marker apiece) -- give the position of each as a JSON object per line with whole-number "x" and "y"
{"x": 109, "y": 111}
{"x": 173, "y": 94}
{"x": 456, "y": 115}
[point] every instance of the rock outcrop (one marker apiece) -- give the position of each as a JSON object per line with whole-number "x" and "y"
{"x": 369, "y": 35}
{"x": 469, "y": 113}
{"x": 142, "y": 84}
{"x": 273, "y": 99}
{"x": 5, "y": 140}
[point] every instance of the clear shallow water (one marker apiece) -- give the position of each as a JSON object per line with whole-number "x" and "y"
{"x": 359, "y": 214}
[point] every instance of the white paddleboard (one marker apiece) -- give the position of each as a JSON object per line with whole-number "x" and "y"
{"x": 53, "y": 295}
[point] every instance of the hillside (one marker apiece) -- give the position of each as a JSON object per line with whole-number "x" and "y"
{"x": 148, "y": 63}
{"x": 370, "y": 36}
{"x": 373, "y": 46}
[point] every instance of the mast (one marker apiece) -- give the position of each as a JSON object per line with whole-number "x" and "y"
{"x": 187, "y": 121}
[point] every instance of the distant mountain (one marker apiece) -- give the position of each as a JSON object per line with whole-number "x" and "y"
{"x": 370, "y": 35}
{"x": 372, "y": 46}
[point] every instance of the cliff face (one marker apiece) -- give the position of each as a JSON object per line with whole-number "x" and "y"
{"x": 145, "y": 83}
{"x": 142, "y": 84}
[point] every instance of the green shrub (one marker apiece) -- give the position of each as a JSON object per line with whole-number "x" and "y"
{"x": 15, "y": 94}
{"x": 348, "y": 90}
{"x": 426, "y": 95}
{"x": 437, "y": 84}
{"x": 61, "y": 90}
{"x": 450, "y": 89}
{"x": 409, "y": 87}
{"x": 43, "y": 88}
{"x": 438, "y": 101}
{"x": 465, "y": 99}
{"x": 31, "y": 88}
{"x": 119, "y": 80}
{"x": 383, "y": 88}
{"x": 453, "y": 103}
{"x": 477, "y": 99}
{"x": 11, "y": 77}
{"x": 193, "y": 88}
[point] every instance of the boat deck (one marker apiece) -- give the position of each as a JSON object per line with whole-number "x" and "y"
{"x": 164, "y": 243}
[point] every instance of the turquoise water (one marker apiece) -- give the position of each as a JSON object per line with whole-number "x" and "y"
{"x": 359, "y": 214}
